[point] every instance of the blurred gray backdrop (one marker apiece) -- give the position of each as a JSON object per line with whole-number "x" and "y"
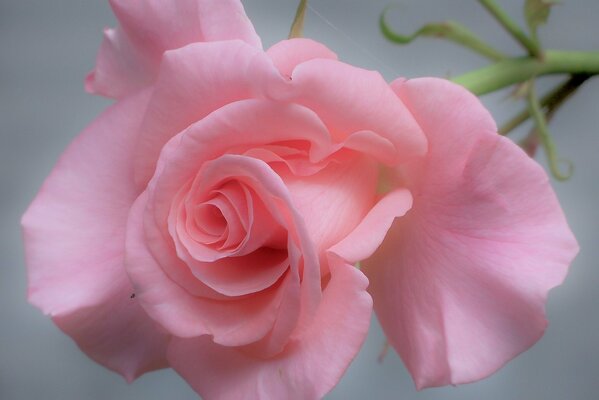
{"x": 47, "y": 47}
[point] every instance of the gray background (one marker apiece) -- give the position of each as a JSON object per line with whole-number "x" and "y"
{"x": 46, "y": 47}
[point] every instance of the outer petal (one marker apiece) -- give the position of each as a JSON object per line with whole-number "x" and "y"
{"x": 130, "y": 54}
{"x": 350, "y": 99}
{"x": 308, "y": 368}
{"x": 193, "y": 82}
{"x": 287, "y": 54}
{"x": 74, "y": 242}
{"x": 460, "y": 283}
{"x": 118, "y": 334}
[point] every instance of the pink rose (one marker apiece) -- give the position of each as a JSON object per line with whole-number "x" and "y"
{"x": 211, "y": 218}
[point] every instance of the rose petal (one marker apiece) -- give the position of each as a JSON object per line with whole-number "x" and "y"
{"x": 184, "y": 314}
{"x": 240, "y": 125}
{"x": 350, "y": 99}
{"x": 287, "y": 54}
{"x": 118, "y": 334}
{"x": 334, "y": 338}
{"x": 258, "y": 261}
{"x": 287, "y": 159}
{"x": 371, "y": 143}
{"x": 363, "y": 241}
{"x": 119, "y": 67}
{"x": 129, "y": 57}
{"x": 460, "y": 282}
{"x": 82, "y": 207}
{"x": 333, "y": 201}
{"x": 261, "y": 229}
{"x": 287, "y": 317}
{"x": 193, "y": 82}
{"x": 74, "y": 243}
{"x": 244, "y": 124}
{"x": 220, "y": 221}
{"x": 208, "y": 222}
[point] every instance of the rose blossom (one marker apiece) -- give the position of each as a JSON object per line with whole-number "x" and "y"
{"x": 210, "y": 219}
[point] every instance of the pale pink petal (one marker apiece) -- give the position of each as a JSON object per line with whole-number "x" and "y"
{"x": 260, "y": 259}
{"x": 260, "y": 228}
{"x": 217, "y": 219}
{"x": 360, "y": 243}
{"x": 119, "y": 67}
{"x": 371, "y": 143}
{"x": 193, "y": 82}
{"x": 243, "y": 275}
{"x": 308, "y": 368}
{"x": 286, "y": 158}
{"x": 118, "y": 333}
{"x": 460, "y": 282}
{"x": 244, "y": 125}
{"x": 290, "y": 320}
{"x": 130, "y": 55}
{"x": 334, "y": 201}
{"x": 350, "y": 99}
{"x": 237, "y": 126}
{"x": 226, "y": 20}
{"x": 287, "y": 54}
{"x": 231, "y": 322}
{"x": 233, "y": 201}
{"x": 287, "y": 317}
{"x": 187, "y": 315}
{"x": 74, "y": 234}
{"x": 211, "y": 221}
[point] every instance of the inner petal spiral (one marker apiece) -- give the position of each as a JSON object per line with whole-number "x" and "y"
{"x": 225, "y": 232}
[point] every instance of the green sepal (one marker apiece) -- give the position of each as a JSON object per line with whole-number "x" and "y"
{"x": 537, "y": 12}
{"x": 449, "y": 30}
{"x": 546, "y": 139}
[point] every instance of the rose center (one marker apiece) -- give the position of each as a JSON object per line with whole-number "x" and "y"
{"x": 211, "y": 220}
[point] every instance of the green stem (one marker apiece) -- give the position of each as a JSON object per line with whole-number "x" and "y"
{"x": 570, "y": 87}
{"x": 545, "y": 136}
{"x": 506, "y": 21}
{"x": 384, "y": 351}
{"x": 515, "y": 70}
{"x": 552, "y": 101}
{"x": 297, "y": 27}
